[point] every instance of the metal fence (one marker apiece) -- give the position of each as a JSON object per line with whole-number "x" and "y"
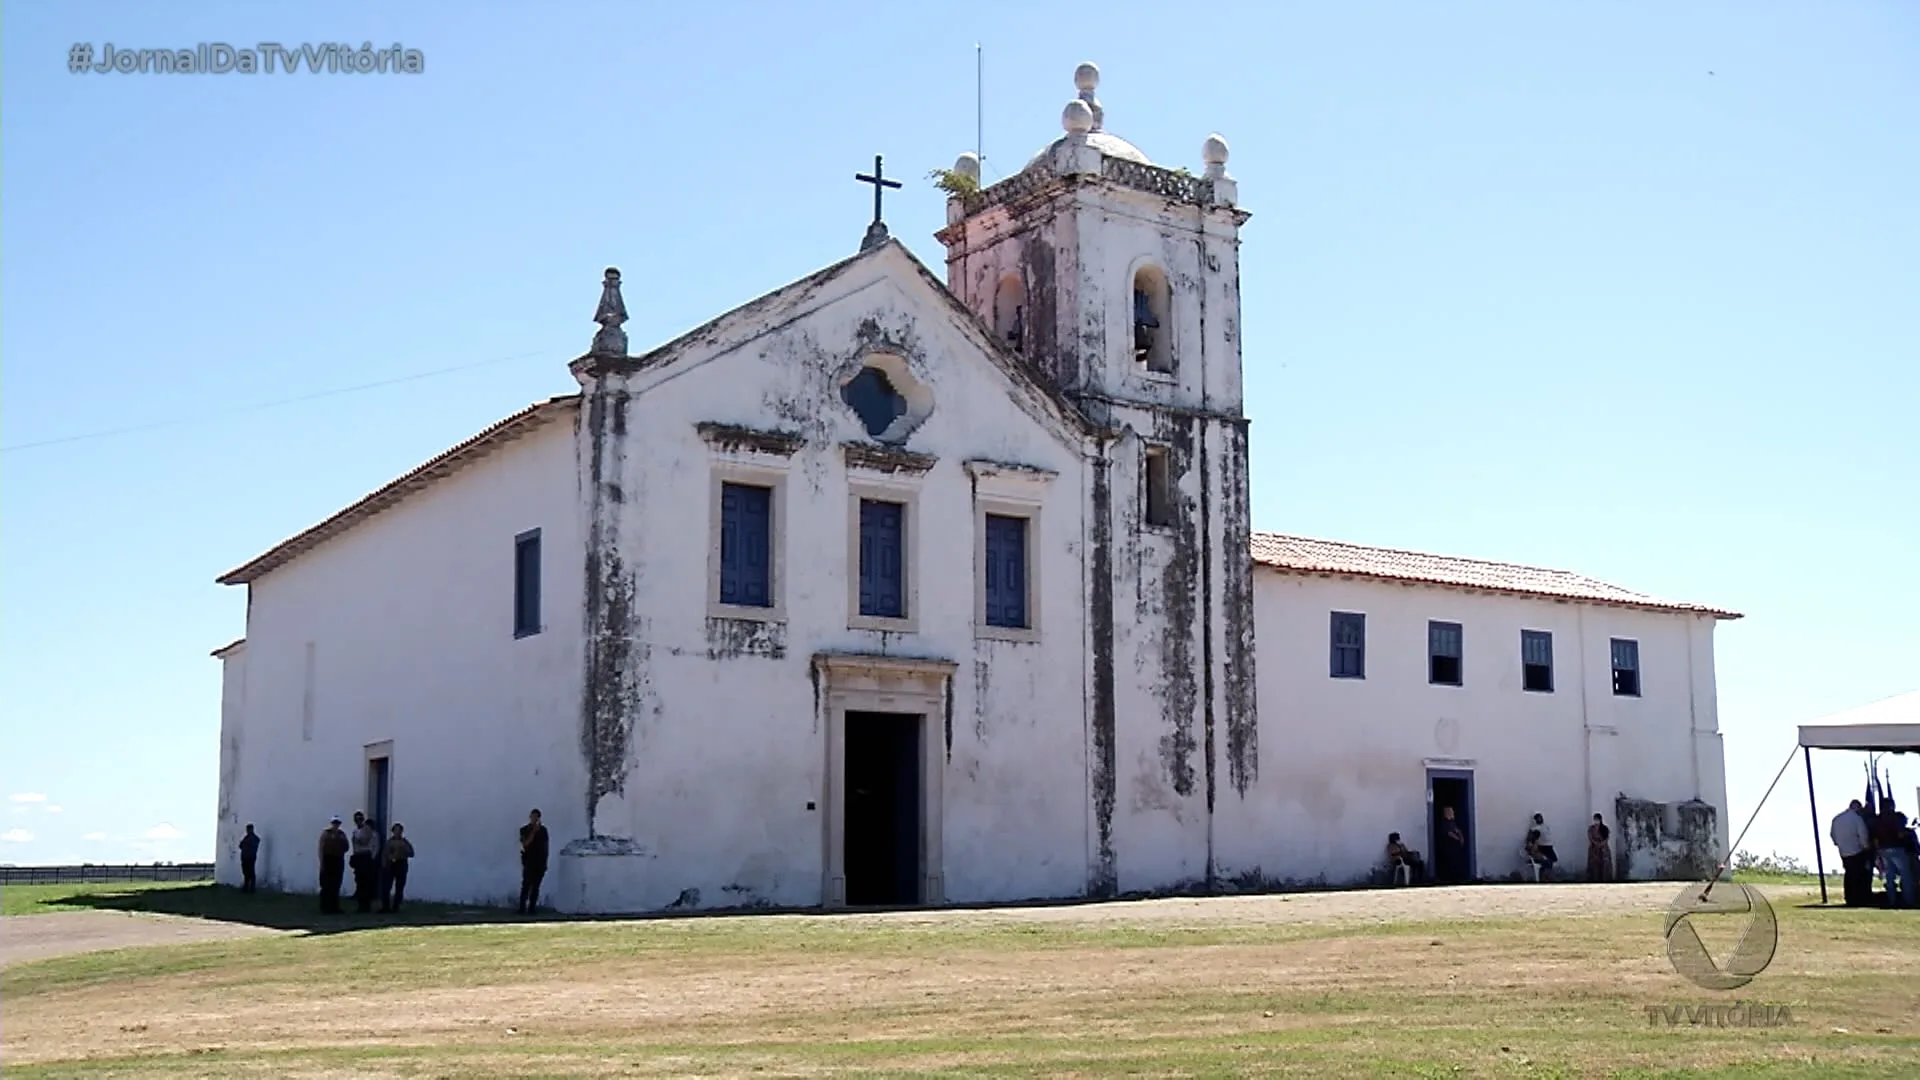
{"x": 72, "y": 875}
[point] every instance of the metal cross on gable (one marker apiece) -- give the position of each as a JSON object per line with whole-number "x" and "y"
{"x": 880, "y": 182}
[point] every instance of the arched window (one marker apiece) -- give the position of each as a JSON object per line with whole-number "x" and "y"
{"x": 1151, "y": 316}
{"x": 1010, "y": 312}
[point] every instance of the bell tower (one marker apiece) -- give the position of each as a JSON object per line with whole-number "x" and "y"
{"x": 1119, "y": 281}
{"x": 1116, "y": 277}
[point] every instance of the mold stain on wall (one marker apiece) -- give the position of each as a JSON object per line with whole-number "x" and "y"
{"x": 1236, "y": 583}
{"x": 1175, "y": 684}
{"x": 611, "y": 692}
{"x": 1104, "y": 878}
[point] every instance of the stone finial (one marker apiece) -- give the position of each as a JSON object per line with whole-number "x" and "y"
{"x": 1077, "y": 118}
{"x": 1213, "y": 153}
{"x": 1086, "y": 79}
{"x": 968, "y": 165}
{"x": 612, "y": 315}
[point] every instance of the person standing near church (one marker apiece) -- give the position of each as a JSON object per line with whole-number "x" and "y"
{"x": 393, "y": 884}
{"x": 365, "y": 839}
{"x": 1599, "y": 850}
{"x": 249, "y": 853}
{"x": 333, "y": 865}
{"x": 1854, "y": 837}
{"x": 533, "y": 862}
{"x": 1451, "y": 861}
{"x": 1892, "y": 837}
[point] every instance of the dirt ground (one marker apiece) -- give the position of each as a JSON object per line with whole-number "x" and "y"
{"x": 36, "y": 937}
{"x": 1371, "y": 905}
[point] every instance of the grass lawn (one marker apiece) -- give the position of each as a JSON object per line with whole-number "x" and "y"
{"x": 1273, "y": 986}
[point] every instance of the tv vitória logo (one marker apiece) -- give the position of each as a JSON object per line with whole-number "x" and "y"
{"x": 1716, "y": 900}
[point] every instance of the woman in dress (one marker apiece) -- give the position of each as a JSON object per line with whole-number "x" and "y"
{"x": 1599, "y": 851}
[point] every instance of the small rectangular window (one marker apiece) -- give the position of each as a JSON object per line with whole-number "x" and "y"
{"x": 1006, "y": 571}
{"x": 1536, "y": 661}
{"x": 526, "y": 583}
{"x": 746, "y": 545}
{"x": 883, "y": 592}
{"x": 1159, "y": 484}
{"x": 1349, "y": 655}
{"x": 1626, "y": 668}
{"x": 1443, "y": 653}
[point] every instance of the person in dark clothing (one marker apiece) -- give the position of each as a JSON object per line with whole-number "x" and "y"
{"x": 533, "y": 862}
{"x": 1599, "y": 850}
{"x": 1890, "y": 839}
{"x": 393, "y": 884}
{"x": 333, "y": 866}
{"x": 1450, "y": 864}
{"x": 249, "y": 852}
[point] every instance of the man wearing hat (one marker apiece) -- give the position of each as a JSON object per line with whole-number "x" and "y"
{"x": 333, "y": 865}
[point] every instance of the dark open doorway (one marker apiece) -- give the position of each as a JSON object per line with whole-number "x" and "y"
{"x": 883, "y": 808}
{"x": 379, "y": 795}
{"x": 1450, "y": 789}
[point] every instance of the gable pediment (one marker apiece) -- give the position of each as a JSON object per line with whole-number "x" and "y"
{"x": 920, "y": 314}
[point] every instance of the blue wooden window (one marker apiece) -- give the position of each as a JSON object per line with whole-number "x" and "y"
{"x": 746, "y": 545}
{"x": 1349, "y": 659}
{"x": 1536, "y": 661}
{"x": 1626, "y": 667}
{"x": 526, "y": 583}
{"x": 1444, "y": 640}
{"x": 1006, "y": 571}
{"x": 883, "y": 592}
{"x": 872, "y": 397}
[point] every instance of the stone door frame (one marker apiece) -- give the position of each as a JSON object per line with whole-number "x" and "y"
{"x": 911, "y": 686}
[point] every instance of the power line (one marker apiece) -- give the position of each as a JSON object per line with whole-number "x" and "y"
{"x": 245, "y": 409}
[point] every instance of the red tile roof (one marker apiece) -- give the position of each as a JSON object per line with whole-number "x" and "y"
{"x": 1302, "y": 555}
{"x": 513, "y": 427}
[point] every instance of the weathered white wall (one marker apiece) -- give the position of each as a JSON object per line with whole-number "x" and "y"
{"x": 723, "y": 784}
{"x": 1181, "y": 716}
{"x": 1343, "y": 759}
{"x": 227, "y": 825}
{"x": 410, "y": 621}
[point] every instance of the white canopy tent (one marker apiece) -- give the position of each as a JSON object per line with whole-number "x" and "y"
{"x": 1889, "y": 726}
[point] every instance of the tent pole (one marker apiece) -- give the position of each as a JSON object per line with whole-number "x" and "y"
{"x": 1819, "y": 859}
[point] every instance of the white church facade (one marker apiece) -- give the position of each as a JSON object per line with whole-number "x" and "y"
{"x": 887, "y": 590}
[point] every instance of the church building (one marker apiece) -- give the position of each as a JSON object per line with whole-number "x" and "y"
{"x": 888, "y": 589}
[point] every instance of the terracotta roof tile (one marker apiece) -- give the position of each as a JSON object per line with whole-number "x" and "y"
{"x": 1303, "y": 555}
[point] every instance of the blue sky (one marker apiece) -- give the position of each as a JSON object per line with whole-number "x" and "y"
{"x": 1626, "y": 289}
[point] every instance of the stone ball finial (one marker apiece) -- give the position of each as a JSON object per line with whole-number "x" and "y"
{"x": 1077, "y": 117}
{"x": 1086, "y": 78}
{"x": 1213, "y": 151}
{"x": 968, "y": 165}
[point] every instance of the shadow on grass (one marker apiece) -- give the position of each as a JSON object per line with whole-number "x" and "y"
{"x": 281, "y": 911}
{"x": 301, "y": 911}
